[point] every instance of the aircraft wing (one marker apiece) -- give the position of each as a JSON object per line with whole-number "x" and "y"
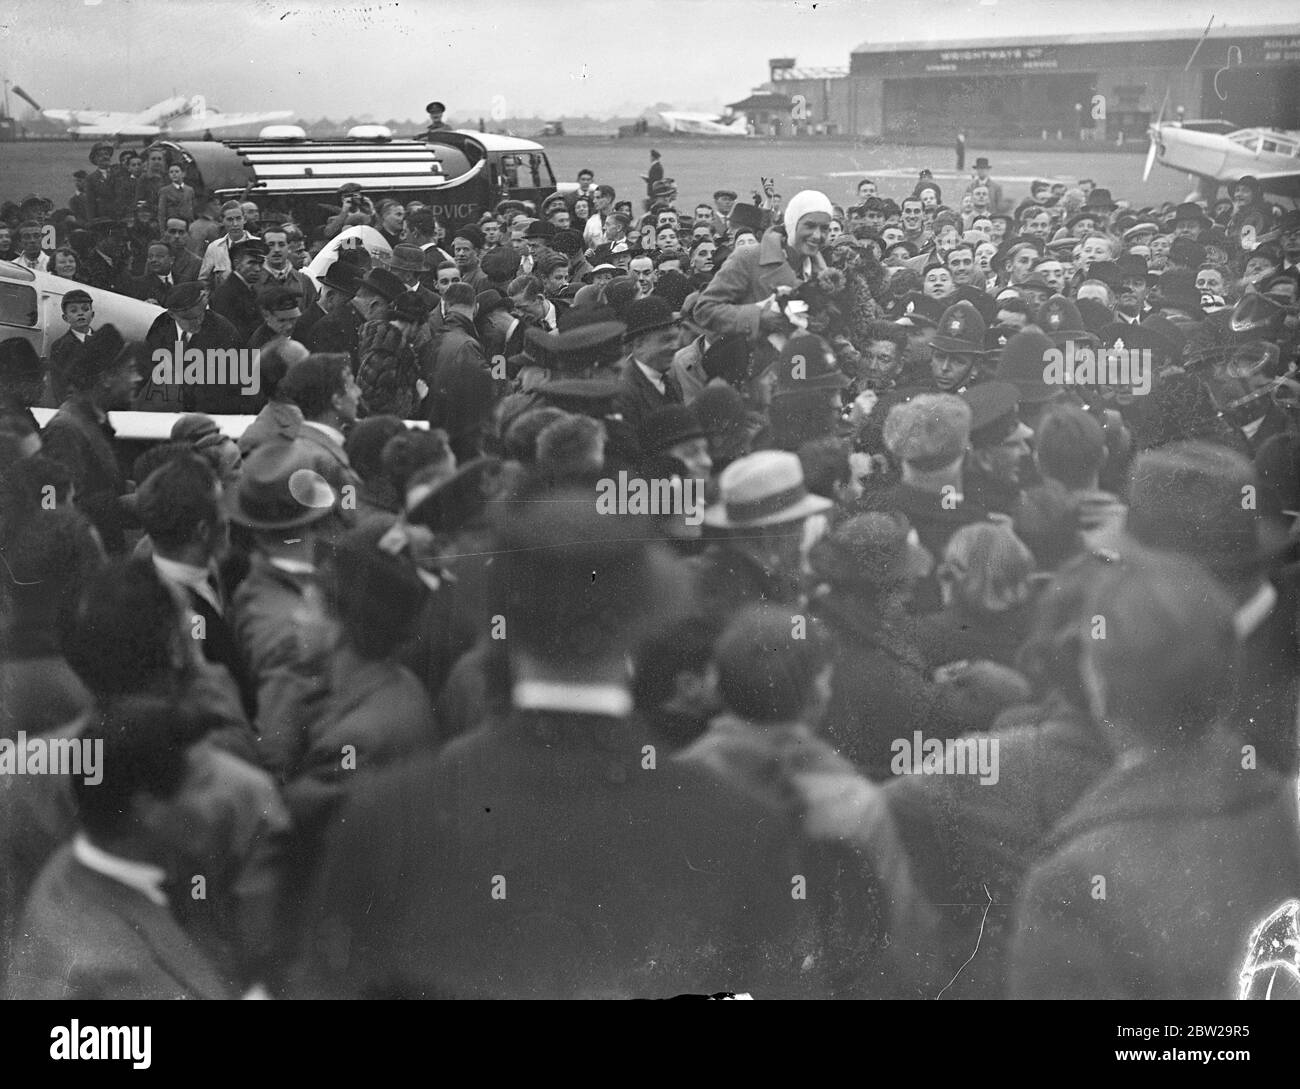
{"x": 1285, "y": 183}
{"x": 102, "y": 122}
{"x": 115, "y": 130}
{"x": 214, "y": 119}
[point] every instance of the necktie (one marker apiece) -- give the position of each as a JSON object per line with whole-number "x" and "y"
{"x": 673, "y": 389}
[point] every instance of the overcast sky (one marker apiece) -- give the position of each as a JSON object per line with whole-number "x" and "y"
{"x": 387, "y": 58}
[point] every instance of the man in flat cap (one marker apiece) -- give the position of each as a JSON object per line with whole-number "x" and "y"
{"x": 928, "y": 436}
{"x": 235, "y": 298}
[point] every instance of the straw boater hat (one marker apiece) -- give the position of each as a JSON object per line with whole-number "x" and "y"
{"x": 765, "y": 488}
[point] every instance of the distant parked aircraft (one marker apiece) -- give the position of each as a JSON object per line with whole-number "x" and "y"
{"x": 704, "y": 124}
{"x": 176, "y": 116}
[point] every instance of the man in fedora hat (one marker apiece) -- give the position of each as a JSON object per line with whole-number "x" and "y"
{"x": 190, "y": 323}
{"x": 763, "y": 505}
{"x": 285, "y": 502}
{"x": 337, "y": 287}
{"x": 235, "y": 297}
{"x": 648, "y": 382}
{"x": 1190, "y": 220}
{"x": 340, "y": 331}
{"x": 408, "y": 264}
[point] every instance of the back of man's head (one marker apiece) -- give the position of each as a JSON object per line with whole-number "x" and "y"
{"x": 126, "y": 629}
{"x": 313, "y": 384}
{"x": 146, "y": 742}
{"x": 1164, "y": 670}
{"x": 1070, "y": 446}
{"x": 176, "y": 500}
{"x": 930, "y": 432}
{"x": 459, "y": 296}
{"x": 763, "y": 674}
{"x": 550, "y": 539}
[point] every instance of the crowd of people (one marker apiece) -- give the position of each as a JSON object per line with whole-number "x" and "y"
{"x": 617, "y": 599}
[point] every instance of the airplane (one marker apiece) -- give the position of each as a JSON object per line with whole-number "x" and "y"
{"x": 703, "y": 124}
{"x": 175, "y": 116}
{"x": 1220, "y": 158}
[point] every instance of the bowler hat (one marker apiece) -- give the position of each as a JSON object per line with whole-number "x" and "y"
{"x": 184, "y": 296}
{"x": 1178, "y": 289}
{"x": 384, "y": 284}
{"x": 540, "y": 229}
{"x": 408, "y": 306}
{"x": 1190, "y": 211}
{"x": 408, "y": 258}
{"x": 97, "y": 147}
{"x": 745, "y": 217}
{"x": 1099, "y": 200}
{"x": 765, "y": 488}
{"x": 648, "y": 314}
{"x": 982, "y": 163}
{"x": 665, "y": 427}
{"x": 343, "y": 276}
{"x": 280, "y": 487}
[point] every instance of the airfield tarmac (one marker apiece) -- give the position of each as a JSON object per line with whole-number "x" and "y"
{"x": 700, "y": 166}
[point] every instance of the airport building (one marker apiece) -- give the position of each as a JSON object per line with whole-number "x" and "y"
{"x": 1105, "y": 86}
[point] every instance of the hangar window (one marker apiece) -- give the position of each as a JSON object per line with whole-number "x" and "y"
{"x": 17, "y": 305}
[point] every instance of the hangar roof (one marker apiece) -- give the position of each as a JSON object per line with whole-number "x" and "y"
{"x": 1184, "y": 34}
